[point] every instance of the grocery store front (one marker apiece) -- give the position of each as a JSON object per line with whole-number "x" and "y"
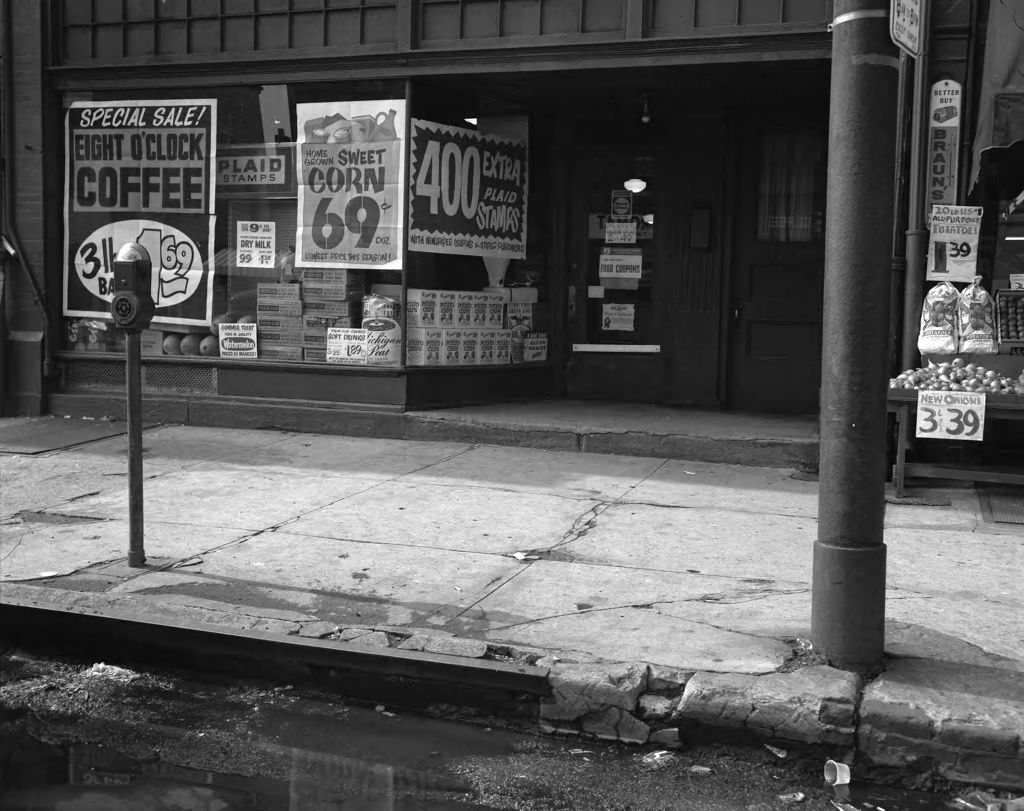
{"x": 603, "y": 302}
{"x": 634, "y": 227}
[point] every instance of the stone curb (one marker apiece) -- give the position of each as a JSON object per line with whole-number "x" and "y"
{"x": 812, "y": 706}
{"x": 893, "y": 724}
{"x": 965, "y": 725}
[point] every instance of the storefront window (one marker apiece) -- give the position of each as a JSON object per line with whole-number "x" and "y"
{"x": 791, "y": 185}
{"x": 289, "y": 240}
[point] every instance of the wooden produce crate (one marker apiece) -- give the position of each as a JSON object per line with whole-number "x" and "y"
{"x": 1010, "y": 317}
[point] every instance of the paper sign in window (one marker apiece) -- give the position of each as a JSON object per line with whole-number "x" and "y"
{"x": 617, "y": 317}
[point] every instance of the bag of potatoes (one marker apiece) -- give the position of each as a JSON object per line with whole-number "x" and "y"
{"x": 976, "y": 320}
{"x": 938, "y": 333}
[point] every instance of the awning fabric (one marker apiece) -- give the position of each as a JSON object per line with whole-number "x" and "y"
{"x": 1001, "y": 103}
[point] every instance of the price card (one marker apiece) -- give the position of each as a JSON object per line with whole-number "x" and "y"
{"x": 951, "y": 415}
{"x": 623, "y": 233}
{"x": 256, "y": 244}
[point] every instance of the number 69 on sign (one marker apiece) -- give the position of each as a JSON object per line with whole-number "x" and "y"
{"x": 950, "y": 415}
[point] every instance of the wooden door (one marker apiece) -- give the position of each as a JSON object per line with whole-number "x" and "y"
{"x": 615, "y": 324}
{"x": 778, "y": 271}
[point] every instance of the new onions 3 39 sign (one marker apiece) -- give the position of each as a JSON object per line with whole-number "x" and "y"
{"x": 468, "y": 192}
{"x": 141, "y": 171}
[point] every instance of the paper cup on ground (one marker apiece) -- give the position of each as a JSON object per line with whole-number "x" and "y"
{"x": 836, "y": 774}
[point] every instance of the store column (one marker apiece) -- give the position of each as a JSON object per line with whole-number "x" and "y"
{"x": 848, "y": 596}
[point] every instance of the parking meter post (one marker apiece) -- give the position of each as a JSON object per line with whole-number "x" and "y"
{"x": 133, "y": 381}
{"x": 132, "y": 309}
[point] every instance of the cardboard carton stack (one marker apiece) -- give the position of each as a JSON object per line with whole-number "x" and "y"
{"x": 528, "y": 346}
{"x": 457, "y": 328}
{"x": 279, "y": 321}
{"x": 330, "y": 298}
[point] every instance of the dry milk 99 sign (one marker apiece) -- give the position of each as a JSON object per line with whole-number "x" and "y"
{"x": 468, "y": 192}
{"x": 140, "y": 171}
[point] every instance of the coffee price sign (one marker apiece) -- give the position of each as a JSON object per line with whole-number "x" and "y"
{"x": 951, "y": 415}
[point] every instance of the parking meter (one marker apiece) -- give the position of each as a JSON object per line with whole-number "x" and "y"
{"x": 132, "y": 304}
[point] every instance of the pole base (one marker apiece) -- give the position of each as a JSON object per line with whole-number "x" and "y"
{"x": 137, "y": 560}
{"x": 848, "y": 606}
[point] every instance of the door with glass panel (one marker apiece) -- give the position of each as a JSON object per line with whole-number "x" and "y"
{"x": 778, "y": 268}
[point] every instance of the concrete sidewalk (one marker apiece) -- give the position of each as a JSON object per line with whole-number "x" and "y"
{"x": 657, "y": 596}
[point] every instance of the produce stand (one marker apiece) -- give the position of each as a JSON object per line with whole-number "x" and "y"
{"x": 903, "y": 402}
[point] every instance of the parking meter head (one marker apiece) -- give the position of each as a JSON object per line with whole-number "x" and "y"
{"x": 132, "y": 304}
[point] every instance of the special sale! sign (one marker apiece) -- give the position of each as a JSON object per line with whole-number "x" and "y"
{"x": 141, "y": 171}
{"x": 350, "y": 166}
{"x": 468, "y": 193}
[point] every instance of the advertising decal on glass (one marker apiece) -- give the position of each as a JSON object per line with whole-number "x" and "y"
{"x": 468, "y": 192}
{"x": 141, "y": 171}
{"x": 350, "y": 165}
{"x": 255, "y": 169}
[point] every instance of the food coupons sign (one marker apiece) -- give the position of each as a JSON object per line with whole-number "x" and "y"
{"x": 468, "y": 192}
{"x": 140, "y": 171}
{"x": 350, "y": 166}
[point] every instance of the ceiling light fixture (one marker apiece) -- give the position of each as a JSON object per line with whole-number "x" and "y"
{"x": 635, "y": 185}
{"x": 645, "y": 116}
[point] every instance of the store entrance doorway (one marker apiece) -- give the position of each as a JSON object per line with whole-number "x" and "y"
{"x": 614, "y": 297}
{"x": 778, "y": 271}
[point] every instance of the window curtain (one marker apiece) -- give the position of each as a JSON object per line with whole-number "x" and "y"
{"x": 788, "y": 186}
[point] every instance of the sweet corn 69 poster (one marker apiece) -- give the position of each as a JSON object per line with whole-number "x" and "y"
{"x": 141, "y": 171}
{"x": 350, "y": 166}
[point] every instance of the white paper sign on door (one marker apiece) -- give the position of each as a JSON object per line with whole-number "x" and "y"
{"x": 618, "y": 317}
{"x": 620, "y": 233}
{"x": 620, "y": 263}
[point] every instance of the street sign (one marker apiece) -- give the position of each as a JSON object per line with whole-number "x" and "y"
{"x": 905, "y": 25}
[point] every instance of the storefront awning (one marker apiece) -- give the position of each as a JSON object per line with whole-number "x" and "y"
{"x": 1001, "y": 103}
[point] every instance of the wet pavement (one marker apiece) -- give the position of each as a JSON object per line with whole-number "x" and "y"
{"x": 80, "y": 737}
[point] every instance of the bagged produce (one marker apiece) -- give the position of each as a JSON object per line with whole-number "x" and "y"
{"x": 938, "y": 335}
{"x": 976, "y": 320}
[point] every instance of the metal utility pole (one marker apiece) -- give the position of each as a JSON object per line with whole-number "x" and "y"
{"x": 848, "y": 593}
{"x": 917, "y": 233}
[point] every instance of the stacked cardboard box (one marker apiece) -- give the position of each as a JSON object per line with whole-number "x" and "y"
{"x": 278, "y": 321}
{"x": 455, "y": 328}
{"x": 330, "y": 298}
